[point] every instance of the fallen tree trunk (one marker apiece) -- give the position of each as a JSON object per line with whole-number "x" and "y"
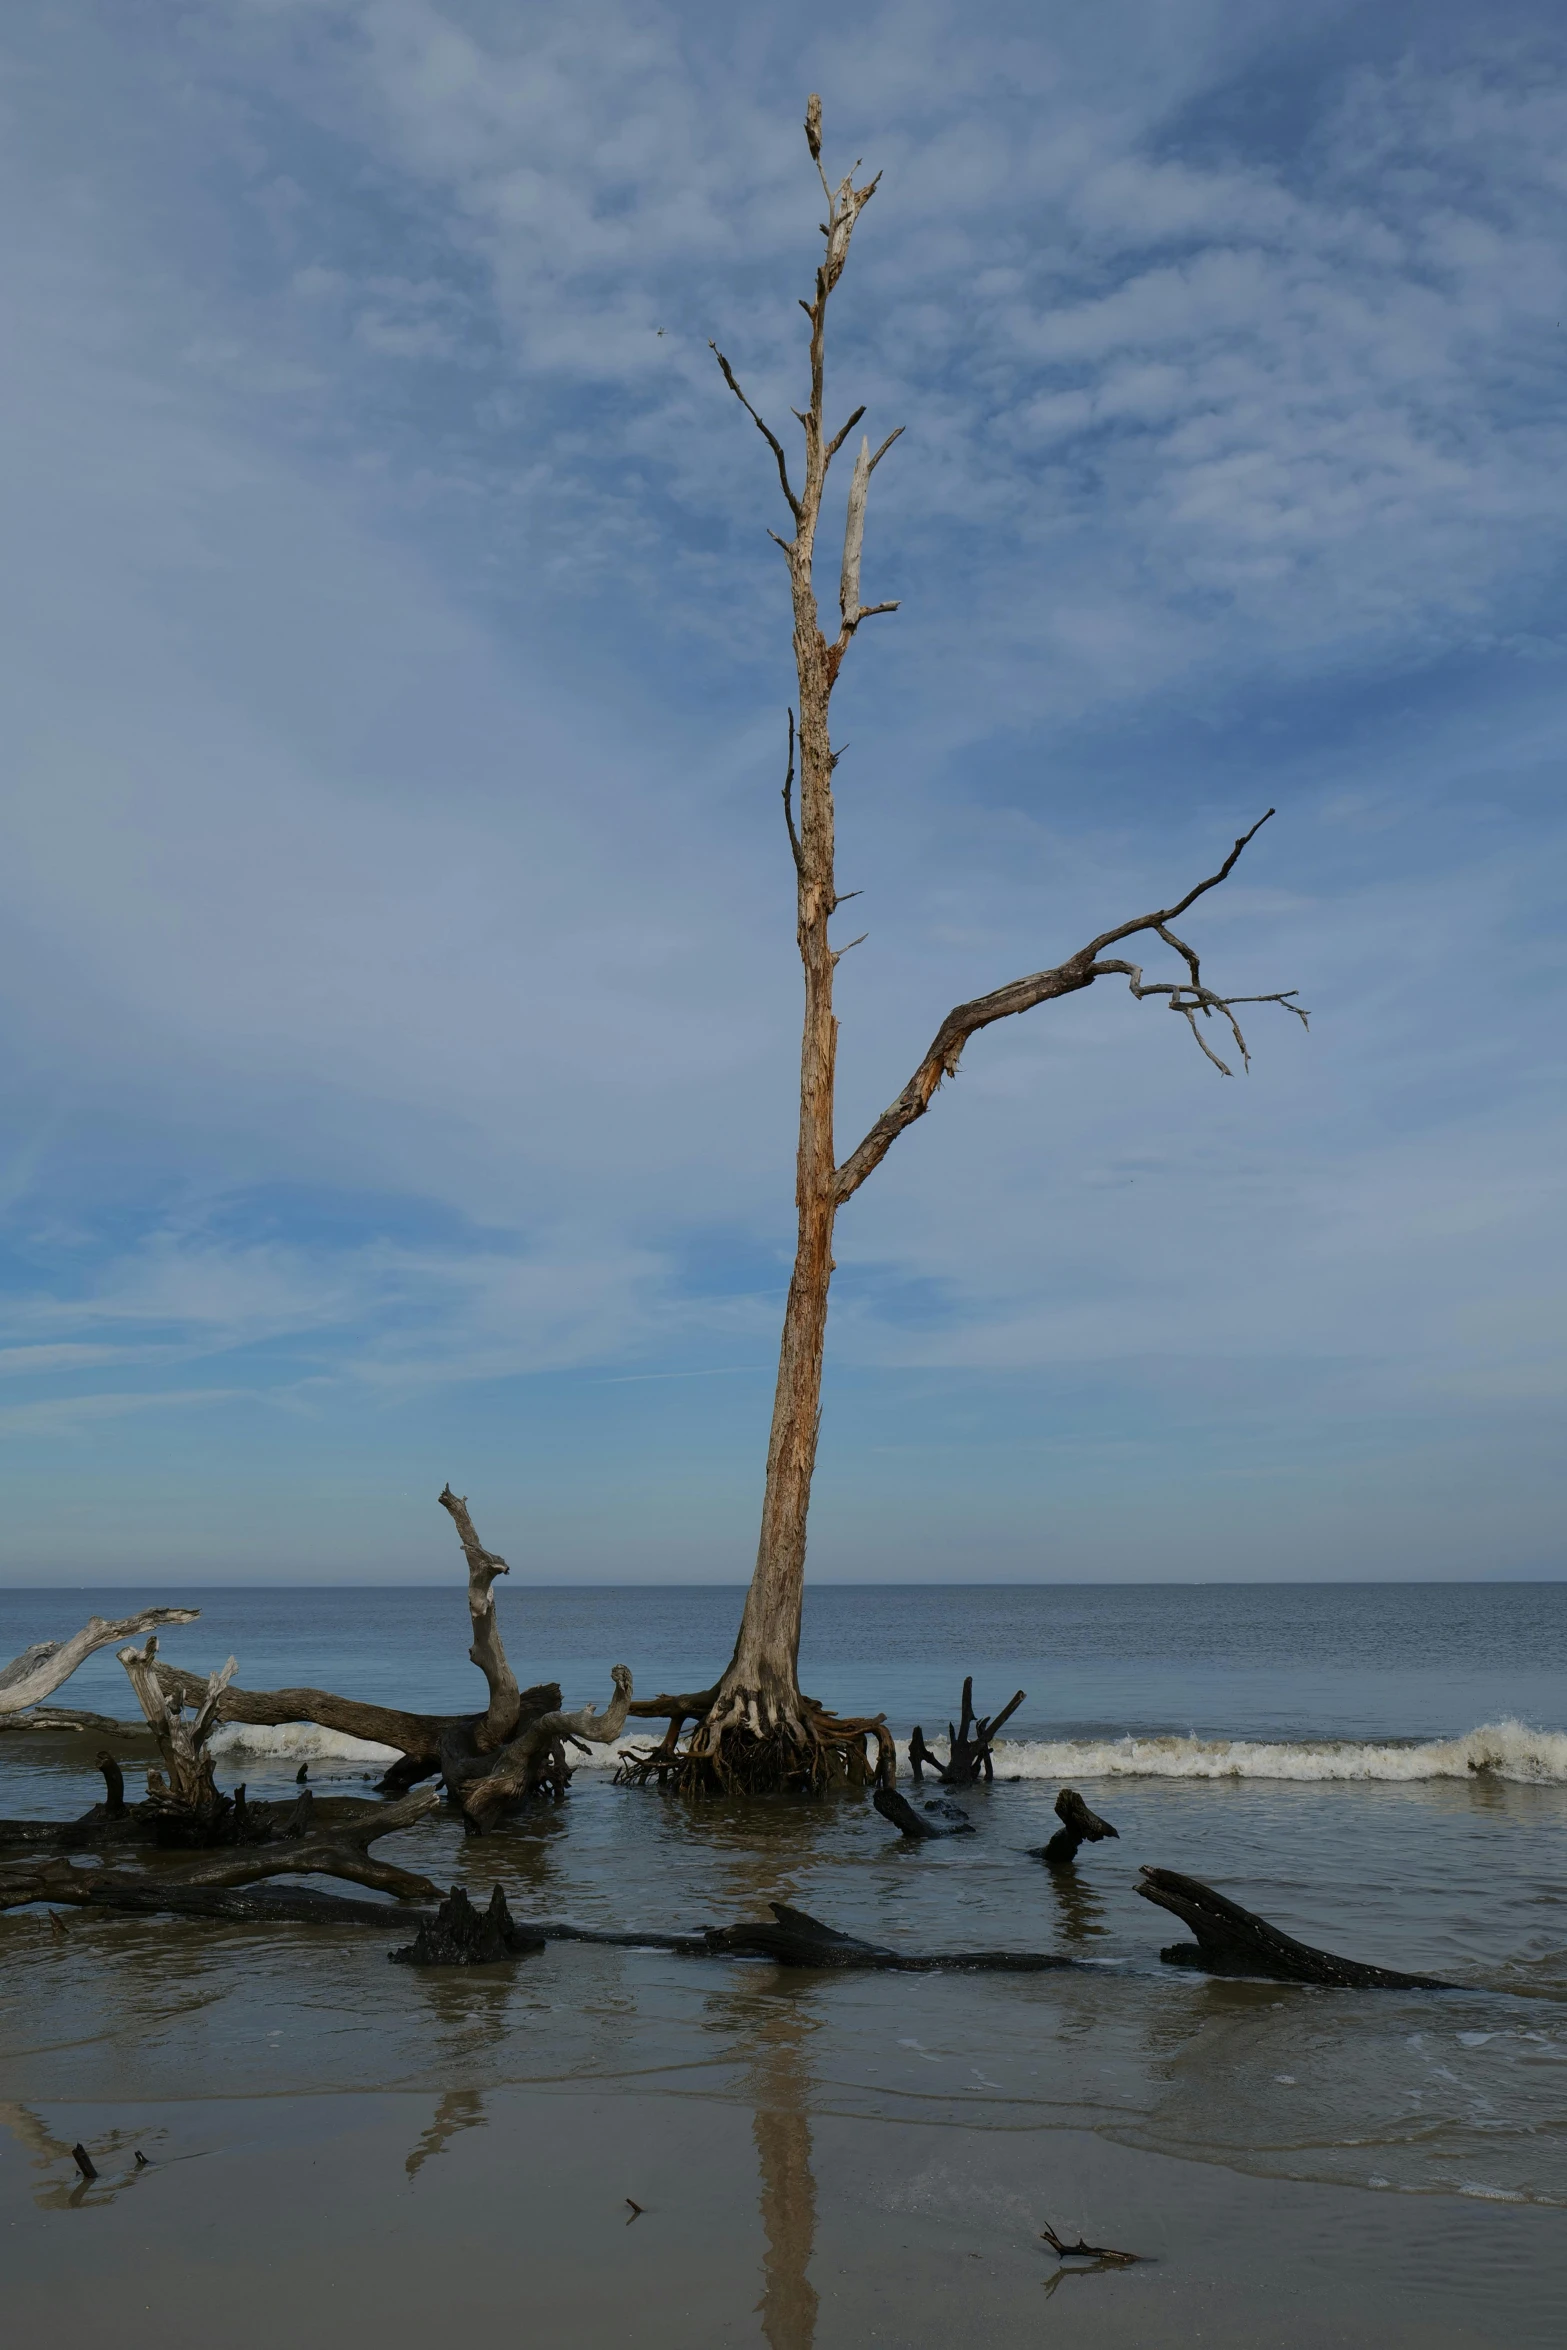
{"x": 338, "y": 1847}
{"x": 39, "y": 1670}
{"x": 795, "y": 1939}
{"x": 1078, "y": 1826}
{"x": 968, "y": 1746}
{"x": 937, "y": 1818}
{"x": 1235, "y": 1941}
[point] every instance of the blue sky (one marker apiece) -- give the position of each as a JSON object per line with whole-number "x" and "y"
{"x": 400, "y": 997}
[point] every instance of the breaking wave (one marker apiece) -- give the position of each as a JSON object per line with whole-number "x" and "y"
{"x": 1508, "y": 1750}
{"x": 296, "y": 1742}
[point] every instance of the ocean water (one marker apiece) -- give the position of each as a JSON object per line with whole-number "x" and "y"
{"x": 1380, "y": 1770}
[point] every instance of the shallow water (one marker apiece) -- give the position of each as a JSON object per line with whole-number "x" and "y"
{"x": 1452, "y": 1871}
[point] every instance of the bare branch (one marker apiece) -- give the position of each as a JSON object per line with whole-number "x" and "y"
{"x": 886, "y": 445}
{"x": 813, "y": 126}
{"x": 40, "y": 1669}
{"x": 488, "y": 1651}
{"x": 768, "y": 436}
{"x": 1068, "y": 978}
{"x": 854, "y": 535}
{"x": 838, "y": 438}
{"x": 794, "y": 837}
{"x": 840, "y": 952}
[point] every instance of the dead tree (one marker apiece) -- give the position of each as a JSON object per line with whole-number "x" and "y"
{"x": 1235, "y": 1941}
{"x": 757, "y": 1731}
{"x": 488, "y": 1762}
{"x": 968, "y": 1746}
{"x": 40, "y": 1670}
{"x": 184, "y": 1792}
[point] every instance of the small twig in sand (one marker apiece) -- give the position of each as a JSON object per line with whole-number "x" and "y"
{"x": 636, "y": 2211}
{"x": 1082, "y": 2251}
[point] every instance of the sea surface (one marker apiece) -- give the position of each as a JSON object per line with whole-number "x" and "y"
{"x": 1379, "y": 1770}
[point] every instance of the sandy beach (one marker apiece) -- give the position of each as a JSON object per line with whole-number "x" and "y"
{"x": 402, "y": 2219}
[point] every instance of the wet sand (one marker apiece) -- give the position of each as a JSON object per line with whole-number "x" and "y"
{"x": 404, "y": 2219}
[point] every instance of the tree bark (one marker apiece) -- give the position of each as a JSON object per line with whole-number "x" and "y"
{"x": 39, "y": 1670}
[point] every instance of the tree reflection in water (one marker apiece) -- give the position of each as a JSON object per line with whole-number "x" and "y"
{"x": 780, "y": 2084}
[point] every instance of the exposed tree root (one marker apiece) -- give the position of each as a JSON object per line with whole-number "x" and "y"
{"x": 807, "y": 1751}
{"x": 968, "y": 1746}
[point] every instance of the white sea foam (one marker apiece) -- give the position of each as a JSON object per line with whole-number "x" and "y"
{"x": 1511, "y": 1750}
{"x": 296, "y": 1742}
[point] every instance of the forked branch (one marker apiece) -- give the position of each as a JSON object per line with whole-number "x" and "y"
{"x": 1188, "y": 997}
{"x": 39, "y": 1670}
{"x": 487, "y": 1651}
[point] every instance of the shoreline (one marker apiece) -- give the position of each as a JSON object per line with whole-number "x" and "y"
{"x": 399, "y": 2215}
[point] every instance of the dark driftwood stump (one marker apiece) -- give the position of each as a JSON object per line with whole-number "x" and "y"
{"x": 968, "y": 1746}
{"x": 460, "y": 1935}
{"x": 1234, "y": 1941}
{"x": 1078, "y": 1826}
{"x": 938, "y": 1818}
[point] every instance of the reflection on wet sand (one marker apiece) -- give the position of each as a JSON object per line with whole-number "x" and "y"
{"x": 458, "y": 2110}
{"x": 66, "y": 2189}
{"x": 1079, "y": 1905}
{"x": 780, "y": 2084}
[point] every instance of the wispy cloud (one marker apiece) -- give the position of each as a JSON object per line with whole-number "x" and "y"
{"x": 395, "y": 926}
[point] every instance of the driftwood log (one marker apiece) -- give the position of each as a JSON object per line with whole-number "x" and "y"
{"x": 936, "y": 1818}
{"x": 184, "y": 1792}
{"x": 1234, "y": 1941}
{"x": 488, "y": 1762}
{"x": 1078, "y": 1826}
{"x": 968, "y": 1746}
{"x": 39, "y": 1670}
{"x": 307, "y": 1847}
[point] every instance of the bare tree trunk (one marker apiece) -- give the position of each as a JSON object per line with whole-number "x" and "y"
{"x": 758, "y": 1731}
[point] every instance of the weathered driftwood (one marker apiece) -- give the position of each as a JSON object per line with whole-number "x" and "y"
{"x": 39, "y": 1670}
{"x": 460, "y": 1935}
{"x": 487, "y": 1785}
{"x": 488, "y": 1651}
{"x": 968, "y": 1746}
{"x": 1234, "y": 1941}
{"x": 1103, "y": 2253}
{"x": 1078, "y": 1826}
{"x": 184, "y": 1791}
{"x": 308, "y": 1847}
{"x": 794, "y": 1939}
{"x": 936, "y": 1818}
{"x": 488, "y": 1761}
